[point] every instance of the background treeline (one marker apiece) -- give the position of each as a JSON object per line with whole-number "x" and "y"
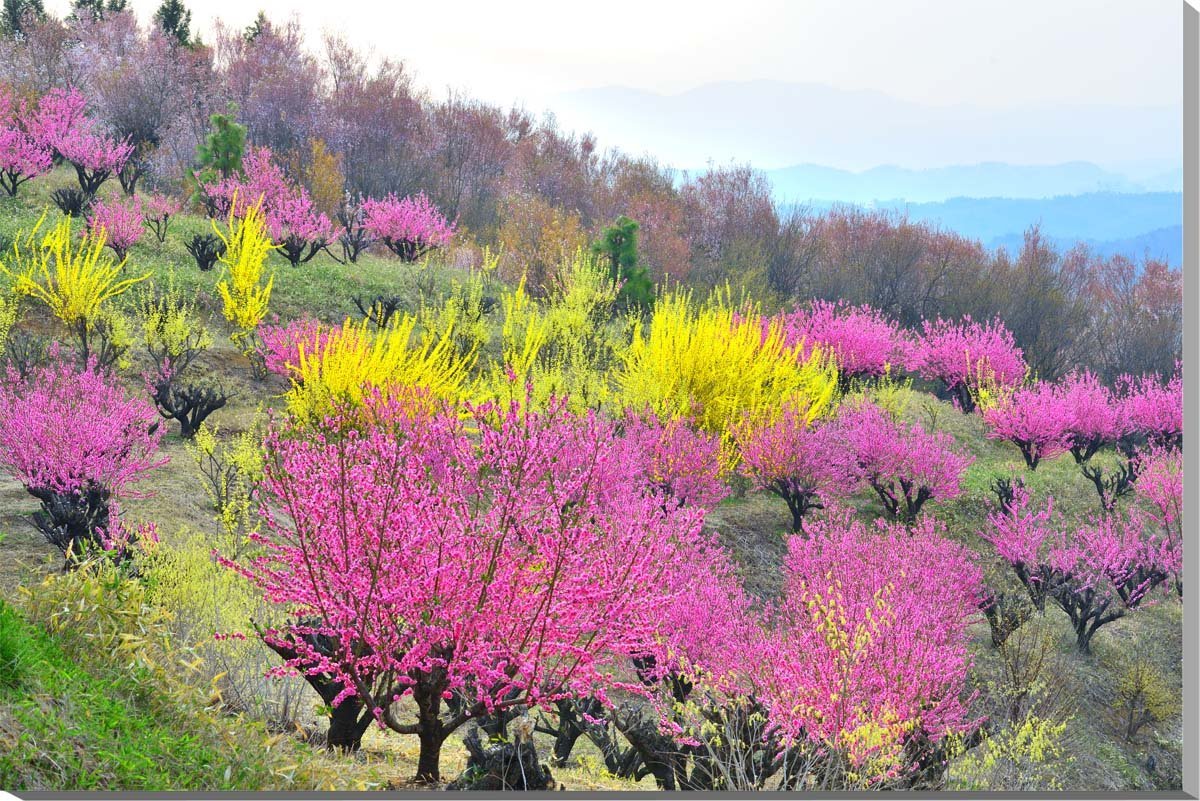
{"x": 344, "y": 123}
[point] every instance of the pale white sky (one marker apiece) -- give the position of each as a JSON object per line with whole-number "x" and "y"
{"x": 982, "y": 52}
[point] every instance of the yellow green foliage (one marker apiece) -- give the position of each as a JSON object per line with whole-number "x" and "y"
{"x": 9, "y": 306}
{"x": 461, "y": 316}
{"x": 1143, "y": 696}
{"x": 243, "y": 292}
{"x": 1028, "y": 755}
{"x": 354, "y": 360}
{"x": 888, "y": 392}
{"x": 232, "y": 470}
{"x": 73, "y": 278}
{"x": 170, "y": 323}
{"x": 567, "y": 345}
{"x": 713, "y": 364}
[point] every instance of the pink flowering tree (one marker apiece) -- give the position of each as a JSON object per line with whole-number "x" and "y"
{"x": 77, "y": 443}
{"x": 865, "y": 666}
{"x": 905, "y": 465}
{"x": 471, "y": 571}
{"x": 966, "y": 357}
{"x": 1093, "y": 417}
{"x": 864, "y": 342}
{"x": 95, "y": 156}
{"x": 410, "y": 227}
{"x": 680, "y": 462}
{"x": 22, "y": 155}
{"x": 1033, "y": 418}
{"x": 1153, "y": 409}
{"x": 805, "y": 464}
{"x": 157, "y": 213}
{"x": 1160, "y": 487}
{"x": 121, "y": 222}
{"x": 1096, "y": 572}
{"x": 292, "y": 221}
{"x": 282, "y": 343}
{"x": 59, "y": 113}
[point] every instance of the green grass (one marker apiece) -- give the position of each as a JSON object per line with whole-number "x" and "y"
{"x": 65, "y": 726}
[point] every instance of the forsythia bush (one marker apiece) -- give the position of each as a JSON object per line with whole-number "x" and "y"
{"x": 350, "y": 362}
{"x": 710, "y": 363}
{"x": 74, "y": 279}
{"x": 243, "y": 292}
{"x": 565, "y": 347}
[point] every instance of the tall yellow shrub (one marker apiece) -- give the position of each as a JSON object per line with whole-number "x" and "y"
{"x": 243, "y": 292}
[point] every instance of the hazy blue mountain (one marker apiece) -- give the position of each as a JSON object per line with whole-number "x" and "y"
{"x": 774, "y": 124}
{"x": 1132, "y": 224}
{"x": 814, "y": 182}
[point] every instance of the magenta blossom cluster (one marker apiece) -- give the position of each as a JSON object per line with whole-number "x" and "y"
{"x": 967, "y": 355}
{"x": 905, "y": 465}
{"x": 510, "y": 564}
{"x": 157, "y": 213}
{"x": 294, "y": 223}
{"x": 120, "y": 221}
{"x": 806, "y": 464}
{"x": 680, "y": 461}
{"x": 62, "y": 125}
{"x": 872, "y": 635}
{"x": 1153, "y": 409}
{"x": 410, "y": 226}
{"x": 282, "y": 343}
{"x": 23, "y": 154}
{"x": 862, "y": 340}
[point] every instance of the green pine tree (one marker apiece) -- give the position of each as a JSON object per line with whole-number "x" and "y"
{"x": 618, "y": 246}
{"x": 175, "y": 20}
{"x": 15, "y": 13}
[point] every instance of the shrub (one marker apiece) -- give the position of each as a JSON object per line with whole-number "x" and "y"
{"x": 968, "y": 358}
{"x": 244, "y": 295}
{"x": 864, "y": 343}
{"x": 806, "y": 464}
{"x": 1143, "y": 696}
{"x": 705, "y": 362}
{"x": 562, "y": 348}
{"x": 344, "y": 366}
{"x": 206, "y": 249}
{"x": 518, "y": 562}
{"x": 76, "y": 442}
{"x": 865, "y": 663}
{"x": 119, "y": 222}
{"x": 410, "y": 227}
{"x": 1154, "y": 409}
{"x": 74, "y": 279}
{"x": 906, "y": 466}
{"x": 70, "y": 201}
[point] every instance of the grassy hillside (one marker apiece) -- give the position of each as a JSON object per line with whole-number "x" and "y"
{"x": 61, "y": 698}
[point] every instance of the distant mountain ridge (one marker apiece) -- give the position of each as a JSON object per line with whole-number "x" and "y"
{"x": 1135, "y": 225}
{"x": 807, "y": 182}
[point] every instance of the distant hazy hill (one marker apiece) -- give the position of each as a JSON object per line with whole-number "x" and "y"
{"x": 1132, "y": 224}
{"x": 775, "y": 124}
{"x": 994, "y": 179}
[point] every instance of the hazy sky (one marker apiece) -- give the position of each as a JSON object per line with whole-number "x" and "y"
{"x": 1003, "y": 54}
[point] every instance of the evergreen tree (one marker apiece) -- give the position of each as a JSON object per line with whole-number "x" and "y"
{"x": 256, "y": 28}
{"x": 14, "y": 14}
{"x": 96, "y": 9}
{"x": 175, "y": 20}
{"x": 220, "y": 154}
{"x": 618, "y": 246}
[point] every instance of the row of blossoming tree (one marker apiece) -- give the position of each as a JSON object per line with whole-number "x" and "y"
{"x": 450, "y": 542}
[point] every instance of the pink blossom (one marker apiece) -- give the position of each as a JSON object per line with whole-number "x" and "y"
{"x": 121, "y": 222}
{"x": 410, "y": 227}
{"x": 862, "y": 340}
{"x": 961, "y": 355}
{"x": 1035, "y": 419}
{"x": 905, "y": 465}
